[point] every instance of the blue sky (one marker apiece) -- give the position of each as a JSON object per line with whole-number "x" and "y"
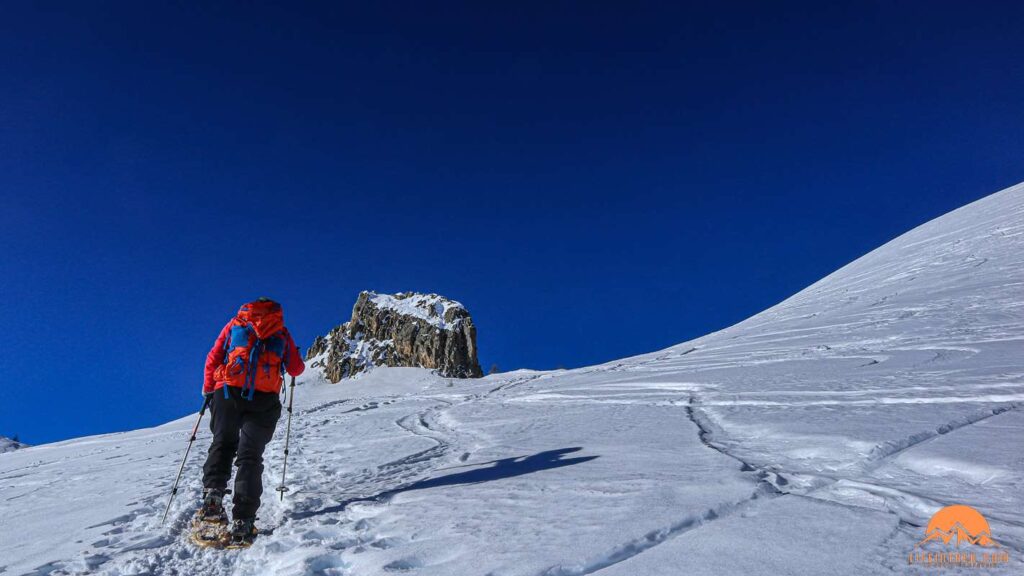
{"x": 593, "y": 180}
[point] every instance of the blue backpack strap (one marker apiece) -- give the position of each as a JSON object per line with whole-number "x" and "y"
{"x": 276, "y": 344}
{"x": 227, "y": 348}
{"x": 249, "y": 387}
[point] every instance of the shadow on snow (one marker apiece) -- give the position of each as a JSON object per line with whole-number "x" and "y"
{"x": 499, "y": 469}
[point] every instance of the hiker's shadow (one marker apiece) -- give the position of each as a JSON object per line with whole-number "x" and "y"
{"x": 498, "y": 469}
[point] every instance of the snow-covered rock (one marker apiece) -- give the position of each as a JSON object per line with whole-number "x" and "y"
{"x": 816, "y": 438}
{"x": 9, "y": 445}
{"x": 406, "y": 329}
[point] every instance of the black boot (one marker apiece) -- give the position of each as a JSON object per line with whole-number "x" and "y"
{"x": 212, "y": 509}
{"x": 243, "y": 533}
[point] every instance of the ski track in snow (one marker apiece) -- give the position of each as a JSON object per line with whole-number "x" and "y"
{"x": 771, "y": 483}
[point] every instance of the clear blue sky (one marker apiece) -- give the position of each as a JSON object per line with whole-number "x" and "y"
{"x": 592, "y": 180}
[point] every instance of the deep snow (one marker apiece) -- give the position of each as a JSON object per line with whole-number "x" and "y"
{"x": 816, "y": 437}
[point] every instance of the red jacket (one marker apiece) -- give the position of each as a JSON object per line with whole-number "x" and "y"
{"x": 292, "y": 360}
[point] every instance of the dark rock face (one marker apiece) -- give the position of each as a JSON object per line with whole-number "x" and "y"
{"x": 406, "y": 329}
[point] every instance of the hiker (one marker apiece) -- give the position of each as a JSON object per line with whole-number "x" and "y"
{"x": 242, "y": 383}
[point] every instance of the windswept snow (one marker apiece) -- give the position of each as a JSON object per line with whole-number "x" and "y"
{"x": 816, "y": 438}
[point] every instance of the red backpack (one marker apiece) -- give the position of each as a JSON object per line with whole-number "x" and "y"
{"x": 254, "y": 350}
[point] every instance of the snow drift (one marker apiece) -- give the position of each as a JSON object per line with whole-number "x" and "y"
{"x": 816, "y": 437}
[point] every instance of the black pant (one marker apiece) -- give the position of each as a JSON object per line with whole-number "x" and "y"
{"x": 241, "y": 430}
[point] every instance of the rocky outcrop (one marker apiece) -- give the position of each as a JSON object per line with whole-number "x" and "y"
{"x": 406, "y": 329}
{"x": 9, "y": 445}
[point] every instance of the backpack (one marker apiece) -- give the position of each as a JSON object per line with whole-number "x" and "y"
{"x": 254, "y": 350}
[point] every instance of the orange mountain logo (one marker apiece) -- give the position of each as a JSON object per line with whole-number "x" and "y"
{"x": 958, "y": 524}
{"x": 958, "y": 536}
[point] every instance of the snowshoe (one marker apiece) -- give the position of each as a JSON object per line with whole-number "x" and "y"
{"x": 210, "y": 521}
{"x": 208, "y": 534}
{"x": 212, "y": 509}
{"x": 243, "y": 533}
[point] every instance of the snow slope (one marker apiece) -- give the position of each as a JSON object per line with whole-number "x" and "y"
{"x": 816, "y": 437}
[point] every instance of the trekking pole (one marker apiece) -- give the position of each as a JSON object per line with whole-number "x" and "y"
{"x": 287, "y": 436}
{"x": 195, "y": 429}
